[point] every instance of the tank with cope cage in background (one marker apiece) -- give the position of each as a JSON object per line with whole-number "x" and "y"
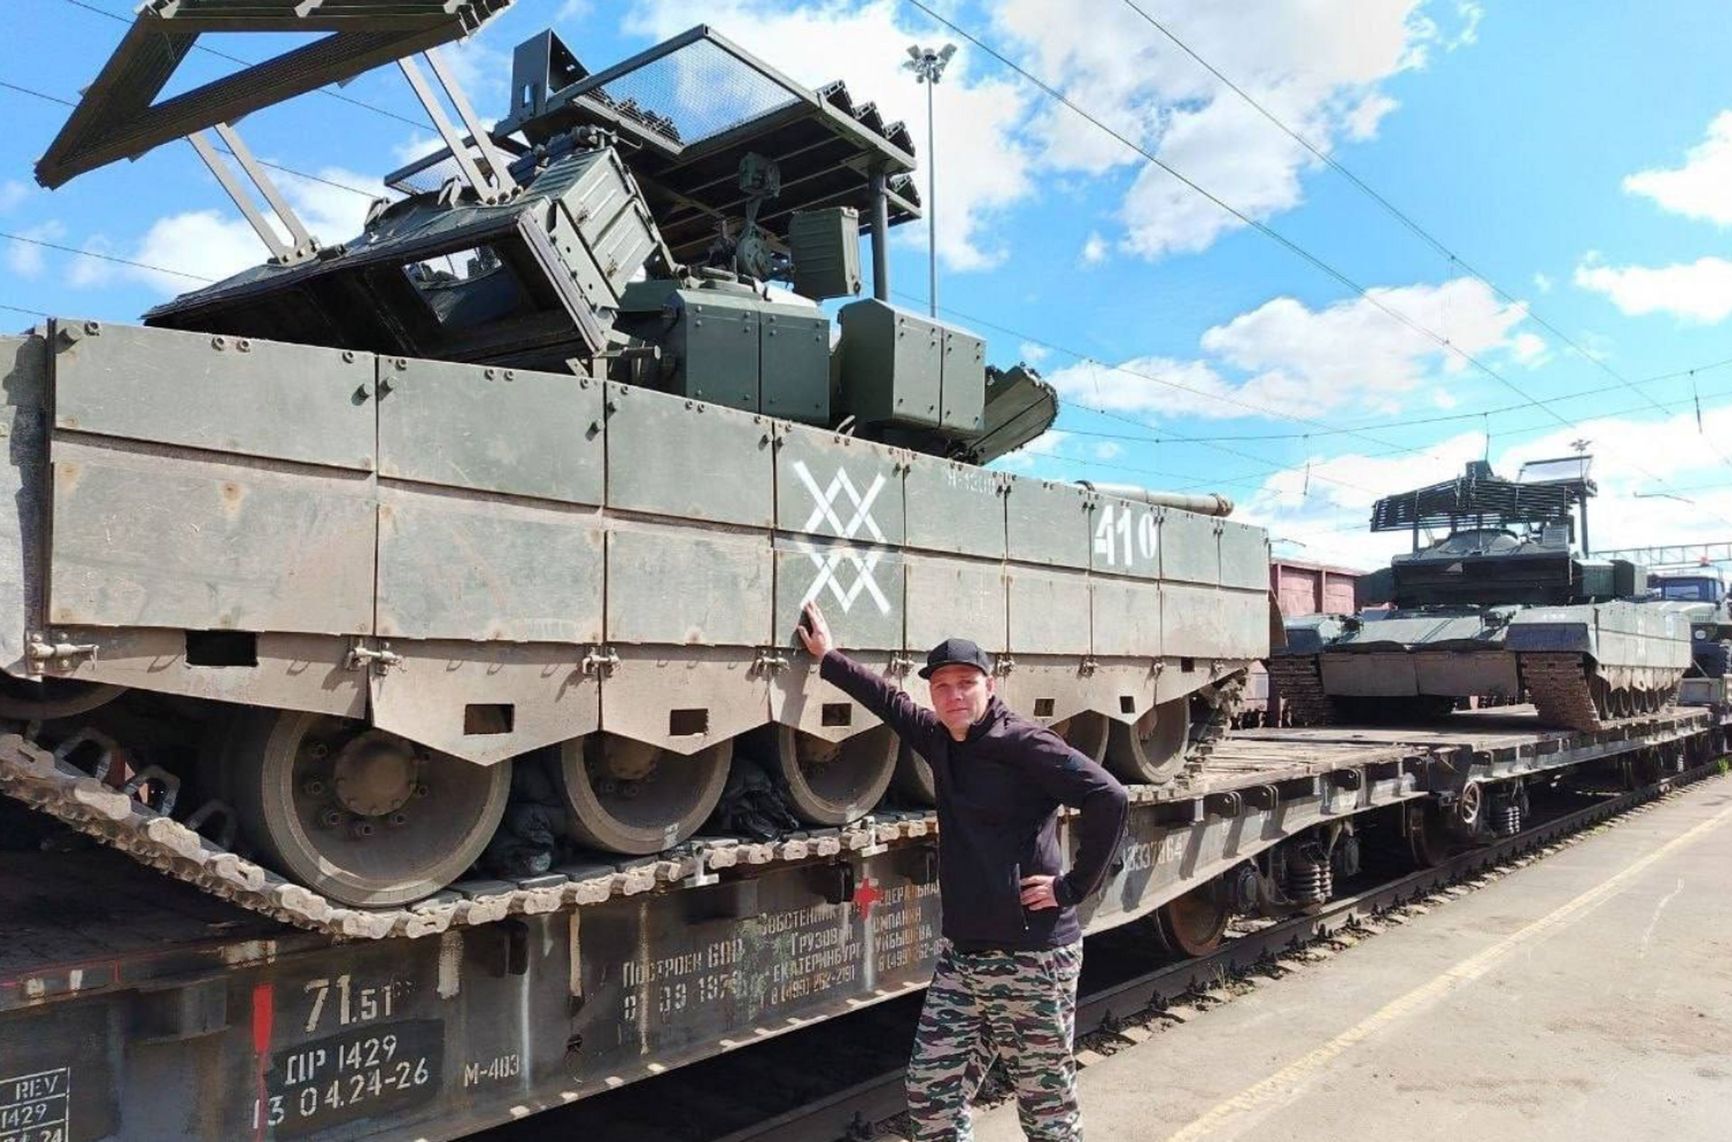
{"x": 1501, "y": 609}
{"x": 539, "y": 469}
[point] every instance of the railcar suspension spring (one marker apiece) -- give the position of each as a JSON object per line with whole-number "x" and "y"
{"x": 1309, "y": 879}
{"x": 1506, "y": 820}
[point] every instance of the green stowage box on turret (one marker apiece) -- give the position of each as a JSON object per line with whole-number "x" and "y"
{"x": 1498, "y": 611}
{"x": 537, "y": 472}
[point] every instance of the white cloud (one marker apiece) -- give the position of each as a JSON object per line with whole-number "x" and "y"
{"x": 1699, "y": 291}
{"x": 1326, "y": 507}
{"x": 573, "y": 11}
{"x": 1468, "y": 34}
{"x": 1543, "y": 283}
{"x": 1315, "y": 67}
{"x": 91, "y": 273}
{"x": 1698, "y": 189}
{"x": 1107, "y": 450}
{"x": 1286, "y": 357}
{"x": 1443, "y": 398}
{"x": 983, "y": 166}
{"x": 1033, "y": 352}
{"x": 12, "y": 195}
{"x": 213, "y": 244}
{"x": 1529, "y": 349}
{"x": 209, "y": 244}
{"x": 1094, "y": 250}
{"x": 416, "y": 146}
{"x": 26, "y": 260}
{"x": 480, "y": 69}
{"x": 1361, "y": 123}
{"x": 1049, "y": 444}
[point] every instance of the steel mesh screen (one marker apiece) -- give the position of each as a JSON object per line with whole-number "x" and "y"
{"x": 694, "y": 93}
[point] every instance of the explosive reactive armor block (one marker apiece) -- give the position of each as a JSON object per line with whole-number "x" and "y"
{"x": 898, "y": 368}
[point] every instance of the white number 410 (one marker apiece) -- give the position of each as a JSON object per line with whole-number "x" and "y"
{"x": 1122, "y": 541}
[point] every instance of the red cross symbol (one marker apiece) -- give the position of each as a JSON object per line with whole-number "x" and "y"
{"x": 865, "y": 897}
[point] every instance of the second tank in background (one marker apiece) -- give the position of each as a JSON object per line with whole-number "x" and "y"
{"x": 1502, "y": 608}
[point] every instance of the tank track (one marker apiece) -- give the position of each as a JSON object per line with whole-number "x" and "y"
{"x": 1299, "y": 685}
{"x": 1559, "y": 687}
{"x": 39, "y": 779}
{"x": 1223, "y": 707}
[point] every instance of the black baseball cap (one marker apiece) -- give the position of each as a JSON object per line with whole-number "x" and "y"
{"x": 956, "y": 652}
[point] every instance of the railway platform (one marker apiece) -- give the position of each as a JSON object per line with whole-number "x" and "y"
{"x": 1583, "y": 996}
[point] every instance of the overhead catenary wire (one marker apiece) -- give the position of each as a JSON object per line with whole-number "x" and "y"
{"x": 65, "y": 249}
{"x": 1267, "y": 470}
{"x": 1401, "y": 216}
{"x": 1263, "y": 228}
{"x": 1446, "y": 418}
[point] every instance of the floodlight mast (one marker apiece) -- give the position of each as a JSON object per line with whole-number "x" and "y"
{"x": 928, "y": 65}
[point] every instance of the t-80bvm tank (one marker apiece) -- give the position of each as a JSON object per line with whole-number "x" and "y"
{"x": 538, "y": 467}
{"x": 1499, "y": 608}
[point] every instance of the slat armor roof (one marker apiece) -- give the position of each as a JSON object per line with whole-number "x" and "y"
{"x": 116, "y": 119}
{"x": 691, "y": 109}
{"x": 1485, "y": 500}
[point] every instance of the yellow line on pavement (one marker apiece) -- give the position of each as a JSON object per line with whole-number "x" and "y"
{"x": 1285, "y": 1083}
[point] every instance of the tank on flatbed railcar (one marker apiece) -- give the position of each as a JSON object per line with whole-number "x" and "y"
{"x": 1499, "y": 608}
{"x": 538, "y": 466}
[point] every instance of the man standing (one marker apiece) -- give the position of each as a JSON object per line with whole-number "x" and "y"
{"x": 1012, "y": 947}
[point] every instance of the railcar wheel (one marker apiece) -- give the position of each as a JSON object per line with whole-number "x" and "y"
{"x": 1428, "y": 839}
{"x": 45, "y": 699}
{"x": 359, "y": 814}
{"x": 913, "y": 777}
{"x": 632, "y": 797}
{"x": 1193, "y": 924}
{"x": 1087, "y": 733}
{"x": 1152, "y": 748}
{"x": 833, "y": 783}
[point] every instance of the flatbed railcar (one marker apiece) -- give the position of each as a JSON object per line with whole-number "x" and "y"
{"x": 133, "y": 1006}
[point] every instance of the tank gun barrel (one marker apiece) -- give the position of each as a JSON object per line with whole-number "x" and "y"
{"x": 1208, "y": 503}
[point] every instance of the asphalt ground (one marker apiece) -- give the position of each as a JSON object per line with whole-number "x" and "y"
{"x": 1585, "y": 996}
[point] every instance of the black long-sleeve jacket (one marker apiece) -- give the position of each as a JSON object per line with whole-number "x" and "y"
{"x": 999, "y": 791}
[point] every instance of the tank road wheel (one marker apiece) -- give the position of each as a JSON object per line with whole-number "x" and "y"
{"x": 359, "y": 814}
{"x": 45, "y": 699}
{"x": 1195, "y": 923}
{"x": 1623, "y": 702}
{"x": 1087, "y": 733}
{"x": 913, "y": 778}
{"x": 833, "y": 783}
{"x": 1601, "y": 692}
{"x": 632, "y": 797}
{"x": 1152, "y": 748}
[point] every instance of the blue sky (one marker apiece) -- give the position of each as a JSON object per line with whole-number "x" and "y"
{"x": 1579, "y": 158}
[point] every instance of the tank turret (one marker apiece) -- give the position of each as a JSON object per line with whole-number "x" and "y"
{"x": 614, "y": 227}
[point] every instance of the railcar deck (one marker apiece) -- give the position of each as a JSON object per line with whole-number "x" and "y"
{"x": 157, "y": 1010}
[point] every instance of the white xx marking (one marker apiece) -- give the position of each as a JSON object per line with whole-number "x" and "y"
{"x": 828, "y": 560}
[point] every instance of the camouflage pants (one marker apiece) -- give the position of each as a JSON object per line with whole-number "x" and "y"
{"x": 1019, "y": 1006}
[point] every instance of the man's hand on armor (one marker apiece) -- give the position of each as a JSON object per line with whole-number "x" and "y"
{"x": 1038, "y": 892}
{"x": 815, "y": 632}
